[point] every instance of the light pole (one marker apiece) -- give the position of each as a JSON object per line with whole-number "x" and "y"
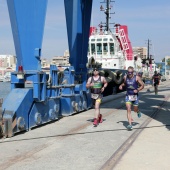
{"x": 148, "y": 59}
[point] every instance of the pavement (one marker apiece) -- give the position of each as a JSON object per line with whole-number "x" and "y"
{"x": 72, "y": 143}
{"x": 151, "y": 149}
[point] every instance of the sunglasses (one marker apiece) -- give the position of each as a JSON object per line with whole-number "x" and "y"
{"x": 130, "y": 72}
{"x": 95, "y": 70}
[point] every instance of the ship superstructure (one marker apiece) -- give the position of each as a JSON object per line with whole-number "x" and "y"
{"x": 112, "y": 49}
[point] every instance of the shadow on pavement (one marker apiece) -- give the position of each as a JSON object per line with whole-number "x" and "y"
{"x": 154, "y": 106}
{"x": 81, "y": 133}
{"x": 126, "y": 123}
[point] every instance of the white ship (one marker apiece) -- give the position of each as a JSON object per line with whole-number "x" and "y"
{"x": 7, "y": 77}
{"x": 110, "y": 49}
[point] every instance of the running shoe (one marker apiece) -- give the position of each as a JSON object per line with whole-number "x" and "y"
{"x": 139, "y": 114}
{"x": 95, "y": 123}
{"x": 100, "y": 118}
{"x": 129, "y": 127}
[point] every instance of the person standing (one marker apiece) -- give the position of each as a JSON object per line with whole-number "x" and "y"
{"x": 156, "y": 80}
{"x": 133, "y": 84}
{"x": 97, "y": 84}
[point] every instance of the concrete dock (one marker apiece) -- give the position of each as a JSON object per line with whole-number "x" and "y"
{"x": 72, "y": 143}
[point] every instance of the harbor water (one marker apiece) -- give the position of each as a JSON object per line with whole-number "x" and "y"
{"x": 5, "y": 88}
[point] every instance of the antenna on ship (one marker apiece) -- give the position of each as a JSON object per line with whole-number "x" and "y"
{"x": 107, "y": 12}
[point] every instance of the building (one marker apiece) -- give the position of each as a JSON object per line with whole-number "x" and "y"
{"x": 61, "y": 60}
{"x": 160, "y": 67}
{"x": 56, "y": 60}
{"x": 167, "y": 67}
{"x": 7, "y": 61}
{"x": 7, "y": 64}
{"x": 140, "y": 52}
{"x": 44, "y": 63}
{"x": 66, "y": 53}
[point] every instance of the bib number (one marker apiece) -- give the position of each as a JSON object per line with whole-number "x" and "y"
{"x": 132, "y": 97}
{"x": 94, "y": 96}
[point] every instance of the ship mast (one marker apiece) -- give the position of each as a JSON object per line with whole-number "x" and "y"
{"x": 107, "y": 13}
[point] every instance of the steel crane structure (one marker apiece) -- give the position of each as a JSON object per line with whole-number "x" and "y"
{"x": 45, "y": 99}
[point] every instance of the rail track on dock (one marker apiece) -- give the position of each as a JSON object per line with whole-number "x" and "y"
{"x": 40, "y": 142}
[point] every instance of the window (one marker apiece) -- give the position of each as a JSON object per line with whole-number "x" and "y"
{"x": 99, "y": 48}
{"x": 105, "y": 48}
{"x": 93, "y": 50}
{"x": 112, "y": 48}
{"x": 99, "y": 39}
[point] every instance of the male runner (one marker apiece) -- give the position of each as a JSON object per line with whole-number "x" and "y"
{"x": 156, "y": 80}
{"x": 97, "y": 84}
{"x": 133, "y": 84}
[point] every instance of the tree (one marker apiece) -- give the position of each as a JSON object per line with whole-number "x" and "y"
{"x": 163, "y": 60}
{"x": 168, "y": 61}
{"x": 159, "y": 66}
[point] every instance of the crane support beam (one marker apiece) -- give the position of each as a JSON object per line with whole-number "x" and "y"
{"x": 78, "y": 17}
{"x": 27, "y": 21}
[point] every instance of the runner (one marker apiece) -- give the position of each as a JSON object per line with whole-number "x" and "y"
{"x": 156, "y": 80}
{"x": 132, "y": 82}
{"x": 97, "y": 84}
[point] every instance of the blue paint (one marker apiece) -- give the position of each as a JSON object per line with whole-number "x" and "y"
{"x": 27, "y": 22}
{"x": 46, "y": 99}
{"x": 18, "y": 102}
{"x": 78, "y": 16}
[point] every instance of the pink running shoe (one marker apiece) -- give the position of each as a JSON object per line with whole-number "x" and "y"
{"x": 100, "y": 118}
{"x": 95, "y": 123}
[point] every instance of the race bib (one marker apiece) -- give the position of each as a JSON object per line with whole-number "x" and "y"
{"x": 94, "y": 96}
{"x": 132, "y": 97}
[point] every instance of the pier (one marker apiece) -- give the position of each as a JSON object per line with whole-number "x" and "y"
{"x": 73, "y": 143}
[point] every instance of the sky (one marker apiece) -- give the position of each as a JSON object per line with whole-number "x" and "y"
{"x": 146, "y": 20}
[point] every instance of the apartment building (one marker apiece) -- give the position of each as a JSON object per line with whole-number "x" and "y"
{"x": 7, "y": 64}
{"x": 7, "y": 61}
{"x": 167, "y": 67}
{"x": 61, "y": 60}
{"x": 56, "y": 60}
{"x": 140, "y": 52}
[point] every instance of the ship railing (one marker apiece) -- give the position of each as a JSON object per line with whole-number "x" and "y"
{"x": 123, "y": 40}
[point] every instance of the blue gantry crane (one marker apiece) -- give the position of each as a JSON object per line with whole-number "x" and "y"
{"x": 48, "y": 95}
